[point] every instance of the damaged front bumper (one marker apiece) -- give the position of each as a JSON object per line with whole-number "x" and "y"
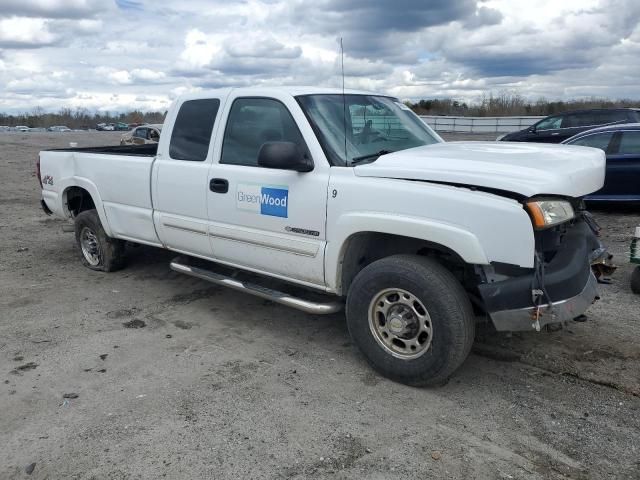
{"x": 528, "y": 318}
{"x": 564, "y": 291}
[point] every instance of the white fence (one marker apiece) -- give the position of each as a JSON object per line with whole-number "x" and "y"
{"x": 478, "y": 124}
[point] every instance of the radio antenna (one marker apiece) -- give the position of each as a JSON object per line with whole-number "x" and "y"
{"x": 344, "y": 102}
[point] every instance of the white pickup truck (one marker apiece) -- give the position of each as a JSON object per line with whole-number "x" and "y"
{"x": 355, "y": 199}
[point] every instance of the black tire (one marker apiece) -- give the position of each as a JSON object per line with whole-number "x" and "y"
{"x": 635, "y": 280}
{"x": 452, "y": 319}
{"x": 108, "y": 253}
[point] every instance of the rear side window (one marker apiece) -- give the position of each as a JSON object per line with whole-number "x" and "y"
{"x": 578, "y": 120}
{"x": 610, "y": 116}
{"x": 630, "y": 143}
{"x": 600, "y": 140}
{"x": 192, "y": 130}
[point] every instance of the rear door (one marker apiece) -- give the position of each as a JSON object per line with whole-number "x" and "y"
{"x": 605, "y": 141}
{"x": 574, "y": 123}
{"x": 180, "y": 176}
{"x": 268, "y": 220}
{"x": 623, "y": 167}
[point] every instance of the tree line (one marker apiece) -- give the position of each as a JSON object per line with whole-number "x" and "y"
{"x": 505, "y": 104}
{"x": 502, "y": 104}
{"x": 79, "y": 118}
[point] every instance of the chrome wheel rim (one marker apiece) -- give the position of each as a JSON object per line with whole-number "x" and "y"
{"x": 90, "y": 247}
{"x": 400, "y": 323}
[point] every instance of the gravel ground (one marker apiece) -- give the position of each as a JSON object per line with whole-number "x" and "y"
{"x": 168, "y": 376}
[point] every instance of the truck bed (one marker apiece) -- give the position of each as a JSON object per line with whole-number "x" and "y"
{"x": 148, "y": 150}
{"x": 118, "y": 178}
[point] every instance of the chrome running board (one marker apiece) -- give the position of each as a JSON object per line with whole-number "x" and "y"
{"x": 317, "y": 308}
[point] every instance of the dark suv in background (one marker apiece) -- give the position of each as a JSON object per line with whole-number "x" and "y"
{"x": 559, "y": 127}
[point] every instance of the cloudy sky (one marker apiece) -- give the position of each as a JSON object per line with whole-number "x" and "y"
{"x": 122, "y": 54}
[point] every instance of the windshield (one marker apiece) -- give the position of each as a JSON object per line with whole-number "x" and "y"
{"x": 373, "y": 126}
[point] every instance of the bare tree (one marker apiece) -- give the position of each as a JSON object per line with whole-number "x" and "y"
{"x": 506, "y": 103}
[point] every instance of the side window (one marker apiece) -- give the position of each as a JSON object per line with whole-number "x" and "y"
{"x": 610, "y": 116}
{"x": 630, "y": 143}
{"x": 578, "y": 120}
{"x": 253, "y": 122}
{"x": 192, "y": 130}
{"x": 549, "y": 123}
{"x": 601, "y": 141}
{"x": 619, "y": 116}
{"x": 140, "y": 133}
{"x": 587, "y": 118}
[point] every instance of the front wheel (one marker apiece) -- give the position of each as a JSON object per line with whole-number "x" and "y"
{"x": 99, "y": 251}
{"x": 411, "y": 319}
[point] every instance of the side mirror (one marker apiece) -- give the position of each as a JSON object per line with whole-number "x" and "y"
{"x": 284, "y": 156}
{"x": 532, "y": 129}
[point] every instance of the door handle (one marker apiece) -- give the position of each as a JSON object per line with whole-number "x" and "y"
{"x": 219, "y": 185}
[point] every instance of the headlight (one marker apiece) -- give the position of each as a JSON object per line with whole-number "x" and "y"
{"x": 500, "y": 137}
{"x": 547, "y": 213}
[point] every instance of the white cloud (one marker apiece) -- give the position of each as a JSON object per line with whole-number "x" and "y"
{"x": 147, "y": 75}
{"x": 96, "y": 54}
{"x": 23, "y": 32}
{"x": 53, "y": 8}
{"x": 120, "y": 76}
{"x": 200, "y": 49}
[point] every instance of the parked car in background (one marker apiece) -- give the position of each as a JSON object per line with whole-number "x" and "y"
{"x": 21, "y": 128}
{"x": 142, "y": 135}
{"x": 121, "y": 127}
{"x": 59, "y": 128}
{"x": 621, "y": 144}
{"x": 4, "y": 128}
{"x": 556, "y": 128}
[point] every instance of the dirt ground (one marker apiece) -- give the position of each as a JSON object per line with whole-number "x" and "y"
{"x": 171, "y": 377}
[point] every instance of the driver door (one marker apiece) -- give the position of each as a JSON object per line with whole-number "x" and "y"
{"x": 265, "y": 219}
{"x": 548, "y": 130}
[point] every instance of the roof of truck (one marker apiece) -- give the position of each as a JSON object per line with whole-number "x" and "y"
{"x": 291, "y": 90}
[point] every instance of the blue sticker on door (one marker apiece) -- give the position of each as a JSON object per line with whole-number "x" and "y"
{"x": 272, "y": 200}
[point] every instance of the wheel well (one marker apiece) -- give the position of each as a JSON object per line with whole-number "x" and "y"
{"x": 78, "y": 200}
{"x": 367, "y": 247}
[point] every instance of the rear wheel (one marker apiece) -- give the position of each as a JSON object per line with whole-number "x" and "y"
{"x": 411, "y": 319}
{"x": 99, "y": 251}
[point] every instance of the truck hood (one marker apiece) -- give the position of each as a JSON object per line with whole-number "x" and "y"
{"x": 527, "y": 169}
